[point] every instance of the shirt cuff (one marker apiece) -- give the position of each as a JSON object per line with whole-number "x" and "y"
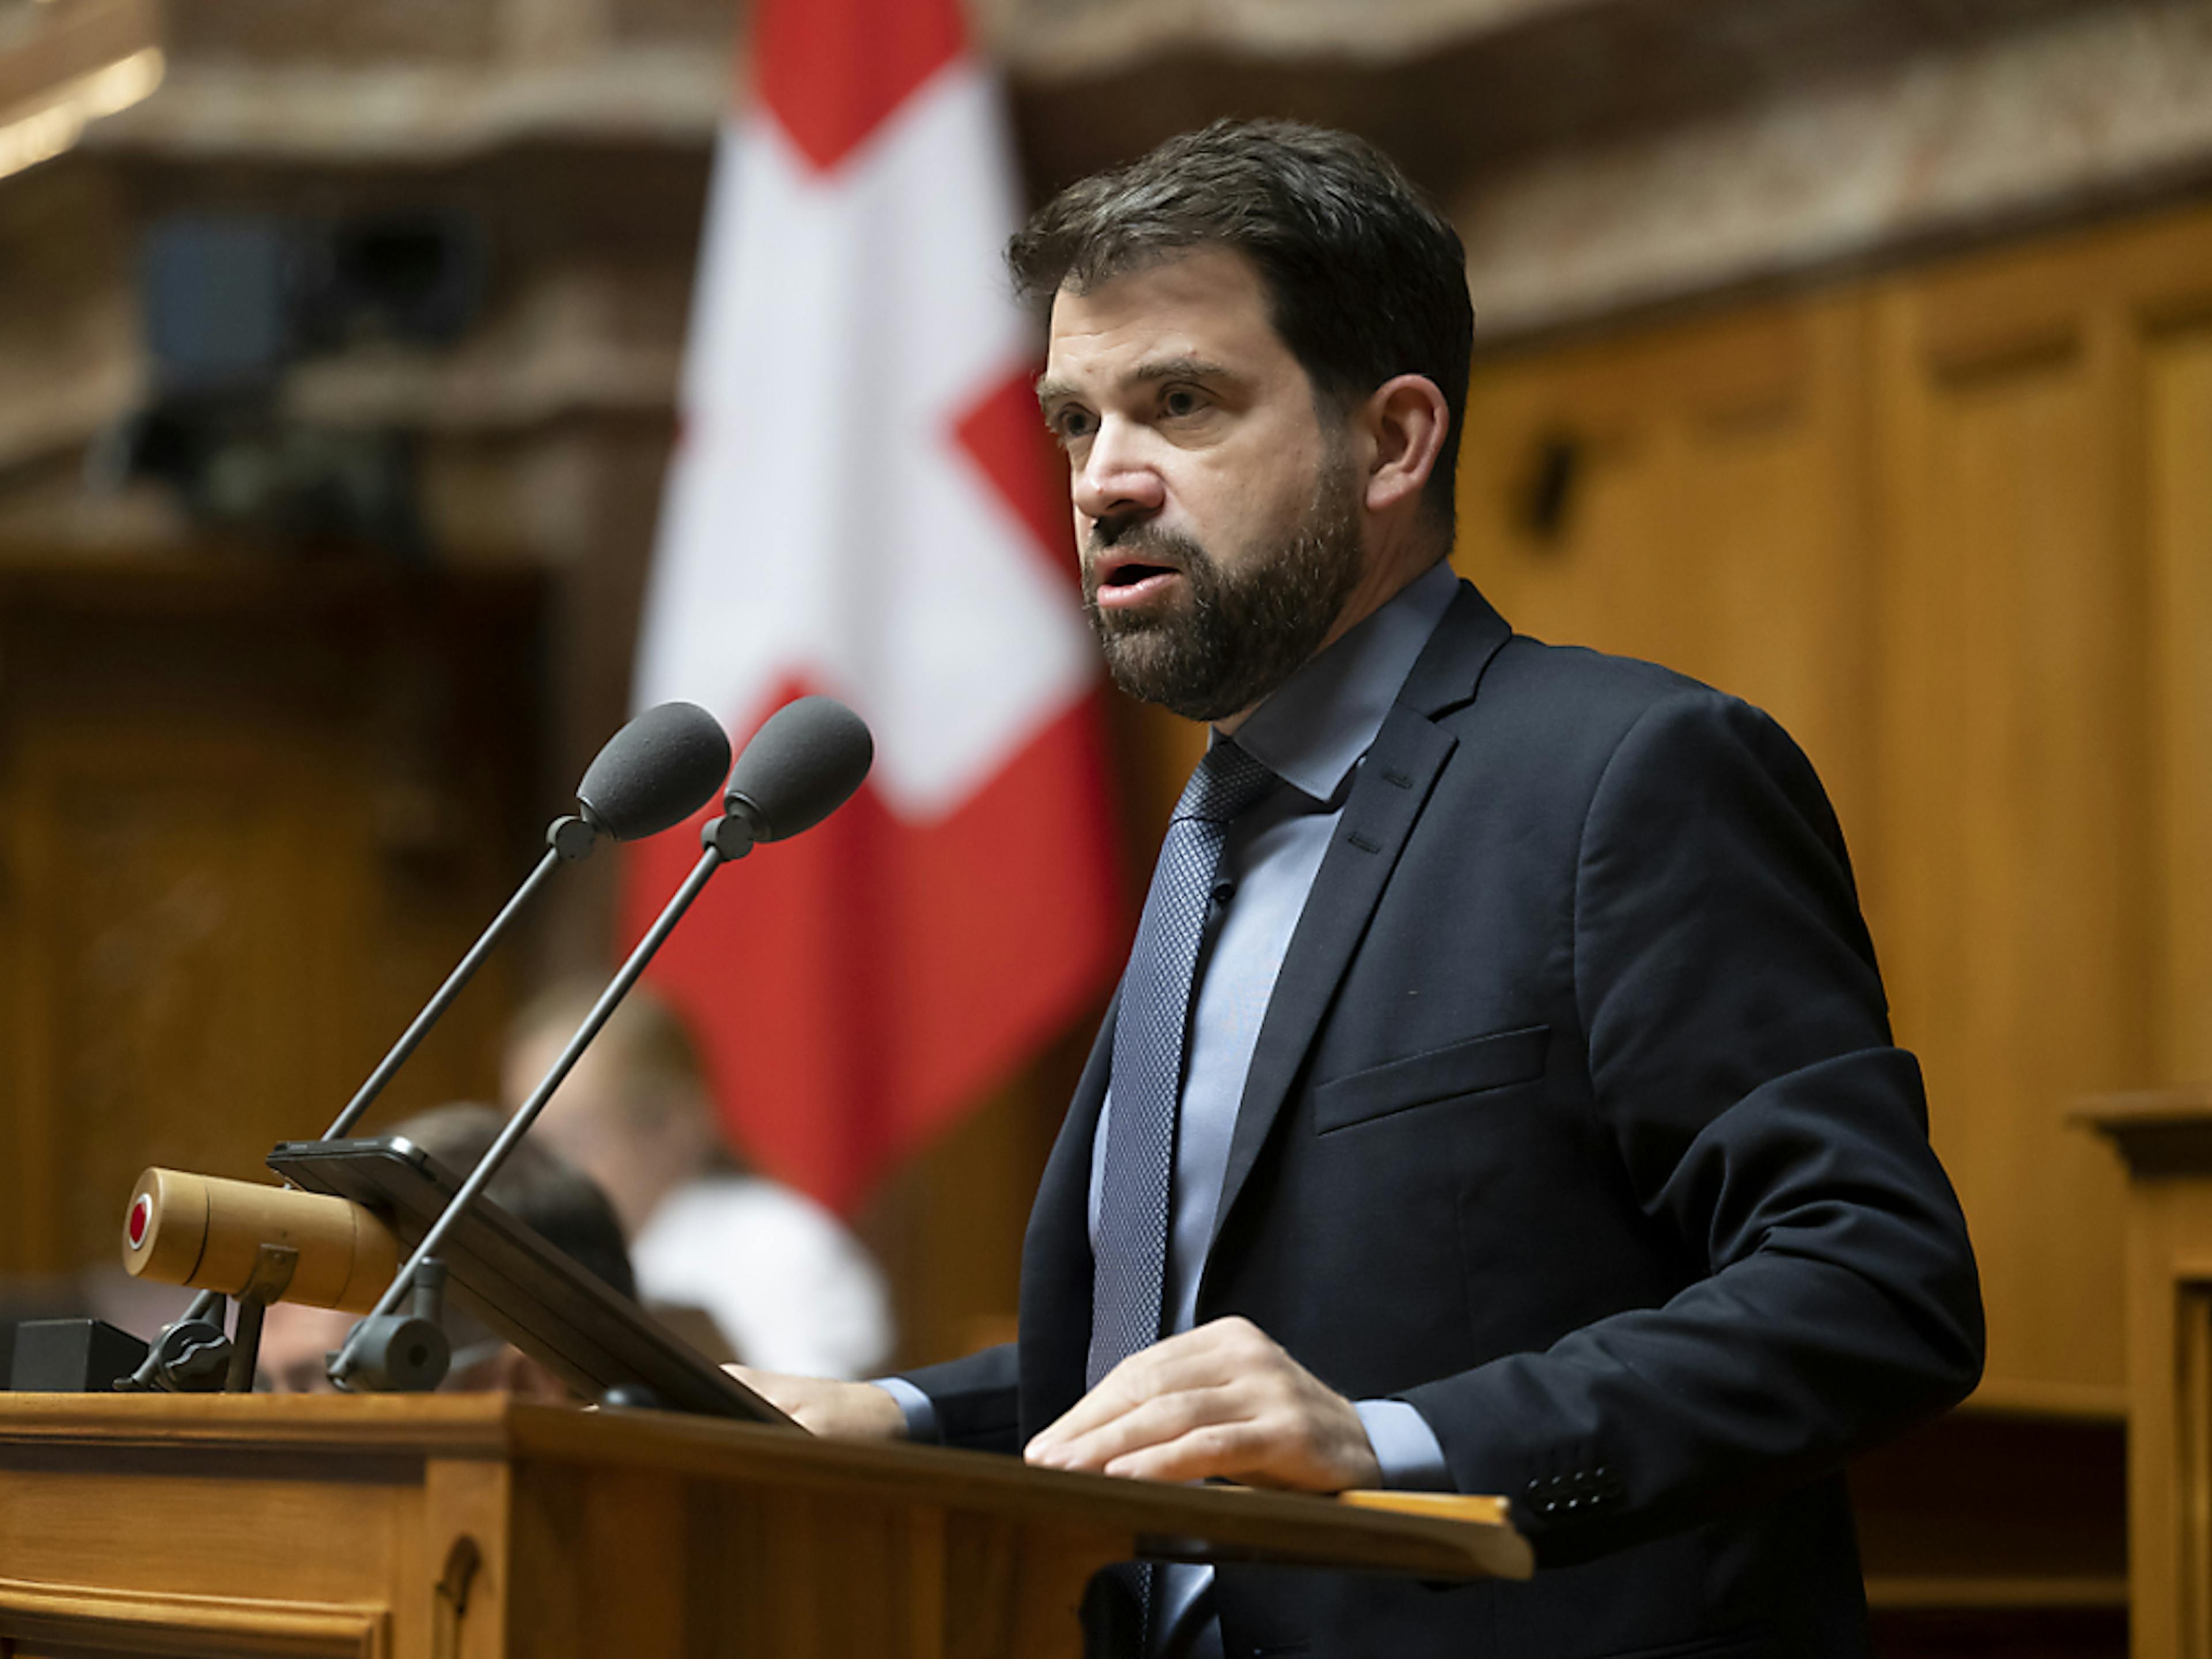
{"x": 921, "y": 1415}
{"x": 1405, "y": 1445}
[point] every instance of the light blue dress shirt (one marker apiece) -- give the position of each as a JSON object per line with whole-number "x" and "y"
{"x": 1312, "y": 732}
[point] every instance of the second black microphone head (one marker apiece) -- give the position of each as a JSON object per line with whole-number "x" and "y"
{"x": 802, "y": 765}
{"x": 655, "y": 772}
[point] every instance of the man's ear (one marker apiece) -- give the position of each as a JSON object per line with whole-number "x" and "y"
{"x": 1406, "y": 419}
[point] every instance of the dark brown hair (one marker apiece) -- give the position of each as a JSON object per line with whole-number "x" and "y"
{"x": 1365, "y": 280}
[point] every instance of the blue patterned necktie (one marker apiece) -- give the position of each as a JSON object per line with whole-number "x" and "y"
{"x": 1129, "y": 1264}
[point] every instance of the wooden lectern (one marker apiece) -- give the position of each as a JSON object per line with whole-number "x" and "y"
{"x": 471, "y": 1526}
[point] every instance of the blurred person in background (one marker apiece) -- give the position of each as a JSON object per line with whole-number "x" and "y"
{"x": 537, "y": 1187}
{"x": 784, "y": 1282}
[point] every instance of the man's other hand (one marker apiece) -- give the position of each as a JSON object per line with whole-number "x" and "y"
{"x": 841, "y": 1411}
{"x": 1224, "y": 1400}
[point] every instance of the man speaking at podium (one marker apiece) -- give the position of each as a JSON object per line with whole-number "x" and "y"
{"x": 1500, "y": 1096}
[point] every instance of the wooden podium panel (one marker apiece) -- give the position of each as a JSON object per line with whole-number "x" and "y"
{"x": 471, "y": 1526}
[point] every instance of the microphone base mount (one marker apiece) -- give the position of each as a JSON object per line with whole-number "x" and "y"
{"x": 192, "y": 1356}
{"x": 400, "y": 1352}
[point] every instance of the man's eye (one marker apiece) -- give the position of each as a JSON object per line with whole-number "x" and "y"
{"x": 1180, "y": 400}
{"x": 1070, "y": 425}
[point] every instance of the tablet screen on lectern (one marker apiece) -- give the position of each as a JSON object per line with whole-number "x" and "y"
{"x": 535, "y": 1296}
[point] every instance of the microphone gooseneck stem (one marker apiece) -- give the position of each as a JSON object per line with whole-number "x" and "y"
{"x": 519, "y": 1125}
{"x": 436, "y": 1008}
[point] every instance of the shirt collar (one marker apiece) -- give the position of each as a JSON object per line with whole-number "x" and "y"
{"x": 1311, "y": 730}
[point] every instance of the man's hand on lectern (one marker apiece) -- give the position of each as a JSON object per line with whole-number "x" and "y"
{"x": 1224, "y": 1400}
{"x": 841, "y": 1411}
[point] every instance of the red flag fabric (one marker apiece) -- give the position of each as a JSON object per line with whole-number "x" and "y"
{"x": 862, "y": 502}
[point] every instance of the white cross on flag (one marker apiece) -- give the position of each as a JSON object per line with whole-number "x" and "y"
{"x": 862, "y": 502}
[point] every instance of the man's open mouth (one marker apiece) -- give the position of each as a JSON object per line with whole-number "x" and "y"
{"x": 1125, "y": 585}
{"x": 1133, "y": 575}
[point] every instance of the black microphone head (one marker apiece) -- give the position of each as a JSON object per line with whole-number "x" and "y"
{"x": 655, "y": 772}
{"x": 802, "y": 765}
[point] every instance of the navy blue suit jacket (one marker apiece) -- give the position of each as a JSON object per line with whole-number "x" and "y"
{"x": 1575, "y": 1120}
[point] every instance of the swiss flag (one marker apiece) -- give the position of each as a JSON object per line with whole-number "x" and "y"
{"x": 863, "y": 502}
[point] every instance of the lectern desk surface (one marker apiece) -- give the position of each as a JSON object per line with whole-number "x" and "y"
{"x": 474, "y": 1526}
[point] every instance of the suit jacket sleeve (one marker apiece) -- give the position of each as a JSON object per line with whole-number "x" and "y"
{"x": 1746, "y": 1089}
{"x": 975, "y": 1399}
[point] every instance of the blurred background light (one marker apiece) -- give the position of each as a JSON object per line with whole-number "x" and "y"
{"x": 65, "y": 64}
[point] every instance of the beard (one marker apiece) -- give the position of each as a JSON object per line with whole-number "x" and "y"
{"x": 1235, "y": 633}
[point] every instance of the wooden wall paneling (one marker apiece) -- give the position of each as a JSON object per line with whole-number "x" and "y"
{"x": 444, "y": 769}
{"x": 175, "y": 921}
{"x": 2178, "y": 525}
{"x": 172, "y": 921}
{"x": 2156, "y": 276}
{"x": 237, "y": 856}
{"x": 1693, "y": 494}
{"x": 2015, "y": 906}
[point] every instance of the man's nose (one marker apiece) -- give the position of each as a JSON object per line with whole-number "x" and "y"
{"x": 1117, "y": 476}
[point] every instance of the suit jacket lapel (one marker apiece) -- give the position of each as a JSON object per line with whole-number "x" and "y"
{"x": 1393, "y": 785}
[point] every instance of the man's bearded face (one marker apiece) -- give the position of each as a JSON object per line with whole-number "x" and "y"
{"x": 1233, "y": 629}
